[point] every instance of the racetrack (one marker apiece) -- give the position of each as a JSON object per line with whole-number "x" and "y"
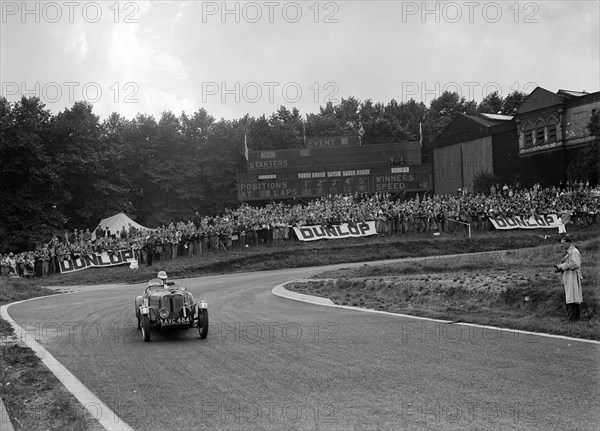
{"x": 273, "y": 363}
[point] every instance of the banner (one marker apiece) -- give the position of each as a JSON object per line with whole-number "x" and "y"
{"x": 313, "y": 233}
{"x": 538, "y": 222}
{"x": 96, "y": 260}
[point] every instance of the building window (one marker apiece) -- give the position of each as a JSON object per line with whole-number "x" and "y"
{"x": 304, "y": 175}
{"x": 539, "y": 132}
{"x": 318, "y": 174}
{"x": 267, "y": 177}
{"x": 349, "y": 173}
{"x": 400, "y": 170}
{"x": 363, "y": 171}
{"x": 528, "y": 130}
{"x": 551, "y": 129}
{"x": 334, "y": 174}
{"x": 267, "y": 154}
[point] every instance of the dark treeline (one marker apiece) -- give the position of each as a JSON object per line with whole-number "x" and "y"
{"x": 71, "y": 169}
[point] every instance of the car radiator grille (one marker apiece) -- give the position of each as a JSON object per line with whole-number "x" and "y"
{"x": 174, "y": 304}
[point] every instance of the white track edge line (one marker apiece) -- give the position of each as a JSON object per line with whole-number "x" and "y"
{"x": 96, "y": 408}
{"x": 282, "y": 292}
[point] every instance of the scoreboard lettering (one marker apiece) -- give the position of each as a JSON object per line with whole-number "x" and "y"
{"x": 398, "y": 182}
{"x": 268, "y": 164}
{"x": 326, "y": 186}
{"x": 332, "y": 141}
{"x": 310, "y": 187}
{"x": 254, "y": 189}
{"x": 321, "y": 142}
{"x": 266, "y": 190}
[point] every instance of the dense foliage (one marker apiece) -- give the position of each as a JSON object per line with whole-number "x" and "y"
{"x": 72, "y": 169}
{"x": 585, "y": 165}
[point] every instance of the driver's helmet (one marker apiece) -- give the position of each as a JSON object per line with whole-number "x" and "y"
{"x": 162, "y": 275}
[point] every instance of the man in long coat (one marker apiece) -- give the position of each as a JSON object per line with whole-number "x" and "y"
{"x": 571, "y": 278}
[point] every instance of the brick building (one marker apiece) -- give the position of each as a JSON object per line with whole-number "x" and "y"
{"x": 552, "y": 127}
{"x": 534, "y": 146}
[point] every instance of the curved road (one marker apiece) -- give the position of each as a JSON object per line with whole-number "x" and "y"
{"x": 271, "y": 363}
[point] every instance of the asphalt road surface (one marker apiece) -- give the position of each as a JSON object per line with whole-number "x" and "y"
{"x": 271, "y": 363}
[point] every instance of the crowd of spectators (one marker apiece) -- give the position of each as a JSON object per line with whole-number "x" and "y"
{"x": 249, "y": 226}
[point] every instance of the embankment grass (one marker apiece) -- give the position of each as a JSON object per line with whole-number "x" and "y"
{"x": 515, "y": 289}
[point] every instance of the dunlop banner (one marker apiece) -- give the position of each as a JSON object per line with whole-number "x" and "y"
{"x": 538, "y": 222}
{"x": 95, "y": 260}
{"x": 313, "y": 233}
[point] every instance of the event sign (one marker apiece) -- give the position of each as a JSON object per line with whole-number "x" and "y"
{"x": 96, "y": 260}
{"x": 313, "y": 233}
{"x": 332, "y": 141}
{"x": 538, "y": 222}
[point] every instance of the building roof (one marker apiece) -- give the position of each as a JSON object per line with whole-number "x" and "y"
{"x": 540, "y": 98}
{"x": 497, "y": 117}
{"x": 481, "y": 120}
{"x": 569, "y": 93}
{"x": 464, "y": 128}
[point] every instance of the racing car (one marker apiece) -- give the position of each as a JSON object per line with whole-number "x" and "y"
{"x": 164, "y": 306}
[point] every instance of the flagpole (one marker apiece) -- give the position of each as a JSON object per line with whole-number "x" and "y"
{"x": 303, "y": 133}
{"x": 361, "y": 130}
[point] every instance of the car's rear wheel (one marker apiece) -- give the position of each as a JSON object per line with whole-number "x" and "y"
{"x": 146, "y": 327}
{"x": 203, "y": 323}
{"x": 139, "y": 322}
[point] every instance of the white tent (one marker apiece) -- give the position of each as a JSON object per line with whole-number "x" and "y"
{"x": 115, "y": 224}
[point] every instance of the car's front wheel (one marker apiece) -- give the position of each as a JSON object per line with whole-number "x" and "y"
{"x": 146, "y": 327}
{"x": 203, "y": 323}
{"x": 139, "y": 322}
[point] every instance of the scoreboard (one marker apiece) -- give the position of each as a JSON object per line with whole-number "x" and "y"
{"x": 255, "y": 189}
{"x": 326, "y": 186}
{"x": 334, "y": 165}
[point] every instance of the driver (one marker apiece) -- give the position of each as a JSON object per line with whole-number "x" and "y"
{"x": 162, "y": 276}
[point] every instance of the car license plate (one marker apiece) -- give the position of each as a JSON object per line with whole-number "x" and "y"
{"x": 175, "y": 321}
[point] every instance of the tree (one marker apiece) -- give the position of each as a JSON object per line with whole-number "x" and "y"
{"x": 407, "y": 117}
{"x": 442, "y": 110}
{"x": 324, "y": 123}
{"x": 286, "y": 128}
{"x": 585, "y": 165}
{"x": 139, "y": 161}
{"x": 116, "y": 155}
{"x": 84, "y": 167}
{"x": 196, "y": 130}
{"x": 512, "y": 102}
{"x": 491, "y": 104}
{"x": 221, "y": 164}
{"x": 30, "y": 189}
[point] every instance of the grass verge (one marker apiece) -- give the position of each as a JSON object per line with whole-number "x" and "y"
{"x": 514, "y": 289}
{"x": 34, "y": 398}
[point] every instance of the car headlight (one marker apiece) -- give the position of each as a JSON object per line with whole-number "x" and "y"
{"x": 163, "y": 313}
{"x": 202, "y": 304}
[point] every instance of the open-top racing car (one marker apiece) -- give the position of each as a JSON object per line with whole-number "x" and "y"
{"x": 165, "y": 306}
